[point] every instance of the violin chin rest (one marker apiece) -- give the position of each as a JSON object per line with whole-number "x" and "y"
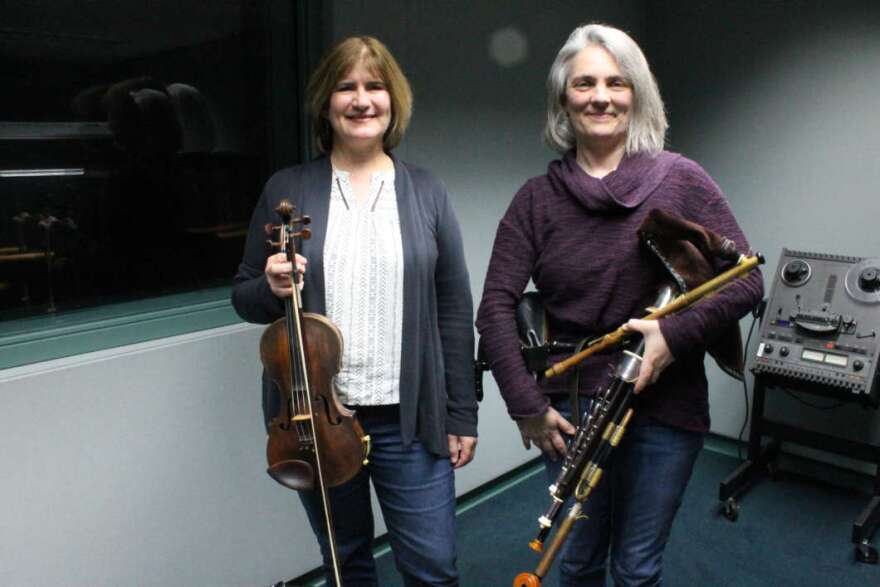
{"x": 293, "y": 474}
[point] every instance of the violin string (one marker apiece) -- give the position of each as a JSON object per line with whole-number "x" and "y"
{"x": 301, "y": 363}
{"x": 300, "y": 403}
{"x": 301, "y": 387}
{"x": 301, "y": 391}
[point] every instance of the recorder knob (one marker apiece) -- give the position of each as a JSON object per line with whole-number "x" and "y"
{"x": 796, "y": 272}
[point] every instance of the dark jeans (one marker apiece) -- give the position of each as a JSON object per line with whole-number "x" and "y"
{"x": 416, "y": 491}
{"x": 630, "y": 513}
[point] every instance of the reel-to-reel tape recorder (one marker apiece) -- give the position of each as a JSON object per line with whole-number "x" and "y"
{"x": 821, "y": 325}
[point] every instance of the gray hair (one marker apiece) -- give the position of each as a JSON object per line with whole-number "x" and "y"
{"x": 646, "y": 132}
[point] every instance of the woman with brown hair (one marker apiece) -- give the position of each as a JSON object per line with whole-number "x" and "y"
{"x": 386, "y": 265}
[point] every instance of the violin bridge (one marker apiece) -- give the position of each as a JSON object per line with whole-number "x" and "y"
{"x": 300, "y": 418}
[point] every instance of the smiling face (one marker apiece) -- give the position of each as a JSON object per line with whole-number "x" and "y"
{"x": 598, "y": 98}
{"x": 360, "y": 108}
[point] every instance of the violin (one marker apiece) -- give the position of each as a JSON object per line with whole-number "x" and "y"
{"x": 314, "y": 442}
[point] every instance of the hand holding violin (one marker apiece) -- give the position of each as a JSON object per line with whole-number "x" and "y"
{"x": 278, "y": 273}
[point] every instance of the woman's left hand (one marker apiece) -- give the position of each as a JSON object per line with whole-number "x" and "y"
{"x": 461, "y": 449}
{"x": 657, "y": 355}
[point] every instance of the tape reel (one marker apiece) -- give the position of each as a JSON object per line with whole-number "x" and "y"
{"x": 863, "y": 281}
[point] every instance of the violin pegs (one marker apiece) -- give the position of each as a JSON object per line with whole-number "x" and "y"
{"x": 306, "y": 219}
{"x": 268, "y": 229}
{"x": 284, "y": 208}
{"x": 305, "y": 233}
{"x": 273, "y": 244}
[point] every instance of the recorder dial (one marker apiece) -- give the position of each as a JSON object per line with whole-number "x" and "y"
{"x": 796, "y": 272}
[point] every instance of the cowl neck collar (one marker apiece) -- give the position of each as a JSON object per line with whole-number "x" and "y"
{"x": 625, "y": 188}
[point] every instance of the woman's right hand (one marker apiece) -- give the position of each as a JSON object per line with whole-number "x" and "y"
{"x": 278, "y": 272}
{"x": 545, "y": 431}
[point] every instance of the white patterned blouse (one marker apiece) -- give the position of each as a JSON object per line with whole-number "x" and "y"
{"x": 363, "y": 273}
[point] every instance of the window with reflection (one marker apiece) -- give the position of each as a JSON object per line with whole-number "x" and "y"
{"x": 134, "y": 141}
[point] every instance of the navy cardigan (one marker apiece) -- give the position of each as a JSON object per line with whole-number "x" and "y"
{"x": 437, "y": 394}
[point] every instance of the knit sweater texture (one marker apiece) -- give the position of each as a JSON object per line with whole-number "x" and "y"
{"x": 575, "y": 237}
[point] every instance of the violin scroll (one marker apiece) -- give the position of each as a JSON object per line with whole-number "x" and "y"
{"x": 287, "y": 229}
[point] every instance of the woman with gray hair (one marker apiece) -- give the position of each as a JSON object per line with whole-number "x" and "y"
{"x": 573, "y": 232}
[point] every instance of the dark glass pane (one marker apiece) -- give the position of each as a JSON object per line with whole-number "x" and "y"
{"x": 134, "y": 140}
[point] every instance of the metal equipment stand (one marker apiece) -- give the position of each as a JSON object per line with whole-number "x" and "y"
{"x": 761, "y": 459}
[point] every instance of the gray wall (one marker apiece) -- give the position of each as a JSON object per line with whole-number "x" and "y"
{"x": 144, "y": 465}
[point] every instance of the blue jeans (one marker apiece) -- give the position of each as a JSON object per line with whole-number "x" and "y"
{"x": 630, "y": 512}
{"x": 416, "y": 491}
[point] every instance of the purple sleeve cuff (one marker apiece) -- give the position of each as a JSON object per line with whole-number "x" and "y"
{"x": 533, "y": 406}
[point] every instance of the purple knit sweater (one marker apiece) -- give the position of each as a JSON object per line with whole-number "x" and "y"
{"x": 575, "y": 237}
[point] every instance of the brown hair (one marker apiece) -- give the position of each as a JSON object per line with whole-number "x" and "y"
{"x": 336, "y": 63}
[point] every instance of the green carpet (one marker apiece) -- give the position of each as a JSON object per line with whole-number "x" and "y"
{"x": 791, "y": 531}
